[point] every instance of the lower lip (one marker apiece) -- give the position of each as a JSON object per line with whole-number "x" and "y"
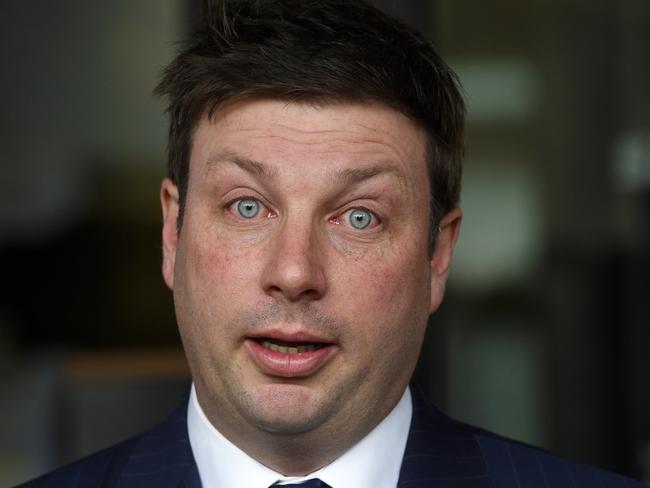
{"x": 296, "y": 365}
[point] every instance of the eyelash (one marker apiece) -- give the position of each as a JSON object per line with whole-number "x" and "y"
{"x": 263, "y": 209}
{"x": 341, "y": 218}
{"x": 337, "y": 220}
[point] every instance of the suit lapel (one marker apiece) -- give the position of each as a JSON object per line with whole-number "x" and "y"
{"x": 162, "y": 458}
{"x": 440, "y": 452}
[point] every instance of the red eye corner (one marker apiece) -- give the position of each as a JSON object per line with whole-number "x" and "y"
{"x": 335, "y": 220}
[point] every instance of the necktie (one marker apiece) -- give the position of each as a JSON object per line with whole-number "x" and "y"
{"x": 312, "y": 483}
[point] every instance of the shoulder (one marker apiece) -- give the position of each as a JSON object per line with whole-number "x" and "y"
{"x": 159, "y": 457}
{"x": 517, "y": 464}
{"x": 439, "y": 446}
{"x": 94, "y": 470}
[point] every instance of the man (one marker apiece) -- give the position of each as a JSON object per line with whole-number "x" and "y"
{"x": 309, "y": 220}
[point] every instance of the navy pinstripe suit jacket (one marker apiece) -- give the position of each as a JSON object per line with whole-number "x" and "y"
{"x": 440, "y": 452}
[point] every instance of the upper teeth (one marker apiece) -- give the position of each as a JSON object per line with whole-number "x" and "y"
{"x": 288, "y": 349}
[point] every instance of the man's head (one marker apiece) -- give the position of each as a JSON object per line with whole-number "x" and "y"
{"x": 308, "y": 141}
{"x": 315, "y": 52}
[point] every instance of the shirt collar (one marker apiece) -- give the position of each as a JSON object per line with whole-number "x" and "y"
{"x": 374, "y": 461}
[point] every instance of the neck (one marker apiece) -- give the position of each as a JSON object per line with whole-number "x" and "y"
{"x": 292, "y": 454}
{"x": 295, "y": 454}
{"x": 293, "y": 457}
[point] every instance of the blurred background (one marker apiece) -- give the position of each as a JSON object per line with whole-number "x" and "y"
{"x": 545, "y": 333}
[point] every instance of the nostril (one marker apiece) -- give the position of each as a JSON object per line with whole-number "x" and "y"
{"x": 311, "y": 294}
{"x": 308, "y": 294}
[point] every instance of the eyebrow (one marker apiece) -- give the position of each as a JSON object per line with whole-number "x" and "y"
{"x": 348, "y": 176}
{"x": 356, "y": 175}
{"x": 249, "y": 165}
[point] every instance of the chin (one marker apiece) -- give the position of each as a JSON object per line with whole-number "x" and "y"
{"x": 287, "y": 410}
{"x": 286, "y": 420}
{"x": 283, "y": 426}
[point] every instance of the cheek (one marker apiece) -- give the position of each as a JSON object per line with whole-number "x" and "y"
{"x": 392, "y": 291}
{"x": 389, "y": 304}
{"x": 217, "y": 262}
{"x": 398, "y": 276}
{"x": 212, "y": 279}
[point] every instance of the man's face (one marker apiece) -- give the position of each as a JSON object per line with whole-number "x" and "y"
{"x": 301, "y": 276}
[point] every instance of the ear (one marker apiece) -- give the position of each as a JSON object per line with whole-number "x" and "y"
{"x": 169, "y": 203}
{"x": 448, "y": 233}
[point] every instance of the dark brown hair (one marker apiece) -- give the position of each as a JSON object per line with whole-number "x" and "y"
{"x": 316, "y": 51}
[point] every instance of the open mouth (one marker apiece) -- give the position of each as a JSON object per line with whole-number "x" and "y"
{"x": 290, "y": 355}
{"x": 285, "y": 347}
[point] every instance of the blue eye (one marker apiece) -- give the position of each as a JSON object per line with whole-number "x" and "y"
{"x": 360, "y": 219}
{"x": 248, "y": 208}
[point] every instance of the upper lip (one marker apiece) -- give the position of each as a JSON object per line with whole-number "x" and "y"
{"x": 291, "y": 336}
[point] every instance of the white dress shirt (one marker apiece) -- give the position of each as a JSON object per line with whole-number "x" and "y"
{"x": 373, "y": 462}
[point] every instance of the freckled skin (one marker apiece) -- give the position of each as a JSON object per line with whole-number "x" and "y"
{"x": 300, "y": 266}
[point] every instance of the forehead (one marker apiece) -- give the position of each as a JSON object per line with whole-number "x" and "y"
{"x": 293, "y": 136}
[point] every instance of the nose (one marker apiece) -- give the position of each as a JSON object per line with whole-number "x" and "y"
{"x": 294, "y": 270}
